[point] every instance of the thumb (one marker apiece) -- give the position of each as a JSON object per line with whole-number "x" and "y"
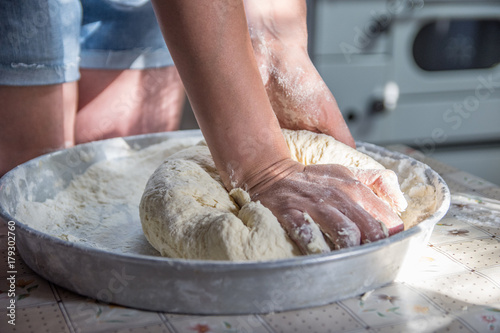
{"x": 333, "y": 122}
{"x": 384, "y": 183}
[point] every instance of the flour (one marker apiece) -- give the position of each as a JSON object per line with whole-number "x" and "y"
{"x": 99, "y": 208}
{"x": 476, "y": 210}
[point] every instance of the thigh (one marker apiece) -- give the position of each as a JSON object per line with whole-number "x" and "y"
{"x": 116, "y": 103}
{"x": 128, "y": 84}
{"x": 35, "y": 120}
{"x": 38, "y": 67}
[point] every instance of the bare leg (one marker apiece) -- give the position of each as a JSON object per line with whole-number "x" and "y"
{"x": 116, "y": 103}
{"x": 36, "y": 120}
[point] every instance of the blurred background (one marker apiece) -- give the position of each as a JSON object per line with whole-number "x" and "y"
{"x": 414, "y": 72}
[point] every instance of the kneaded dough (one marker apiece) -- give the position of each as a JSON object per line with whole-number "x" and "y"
{"x": 186, "y": 212}
{"x": 313, "y": 148}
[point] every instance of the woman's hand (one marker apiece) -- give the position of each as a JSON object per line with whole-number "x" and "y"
{"x": 347, "y": 211}
{"x": 298, "y": 94}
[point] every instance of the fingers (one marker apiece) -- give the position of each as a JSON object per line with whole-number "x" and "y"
{"x": 338, "y": 228}
{"x": 385, "y": 185}
{"x": 304, "y": 232}
{"x": 352, "y": 227}
{"x": 357, "y": 202}
{"x": 341, "y": 211}
{"x": 382, "y": 213}
{"x": 369, "y": 226}
{"x": 309, "y": 231}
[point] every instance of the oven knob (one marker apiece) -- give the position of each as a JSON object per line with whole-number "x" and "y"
{"x": 391, "y": 95}
{"x": 385, "y": 99}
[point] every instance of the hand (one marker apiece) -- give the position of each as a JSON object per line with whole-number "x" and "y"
{"x": 347, "y": 211}
{"x": 298, "y": 94}
{"x": 384, "y": 183}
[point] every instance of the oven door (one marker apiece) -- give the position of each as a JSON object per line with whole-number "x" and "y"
{"x": 445, "y": 64}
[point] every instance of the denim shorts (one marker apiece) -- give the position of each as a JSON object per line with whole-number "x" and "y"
{"x": 47, "y": 41}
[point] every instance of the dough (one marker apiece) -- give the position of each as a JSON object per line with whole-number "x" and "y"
{"x": 187, "y": 213}
{"x": 313, "y": 148}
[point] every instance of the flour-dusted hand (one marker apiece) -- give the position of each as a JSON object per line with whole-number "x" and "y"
{"x": 385, "y": 185}
{"x": 299, "y": 96}
{"x": 347, "y": 211}
{"x": 345, "y": 208}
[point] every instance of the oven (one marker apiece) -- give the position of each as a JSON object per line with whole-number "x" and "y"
{"x": 421, "y": 73}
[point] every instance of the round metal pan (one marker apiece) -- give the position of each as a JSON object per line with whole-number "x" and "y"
{"x": 191, "y": 286}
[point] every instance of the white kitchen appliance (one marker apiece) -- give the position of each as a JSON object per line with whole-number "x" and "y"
{"x": 421, "y": 73}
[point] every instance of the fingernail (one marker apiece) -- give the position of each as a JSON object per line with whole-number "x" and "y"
{"x": 384, "y": 228}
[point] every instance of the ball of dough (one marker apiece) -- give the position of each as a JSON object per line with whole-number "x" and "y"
{"x": 186, "y": 212}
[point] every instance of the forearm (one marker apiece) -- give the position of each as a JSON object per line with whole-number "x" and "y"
{"x": 211, "y": 48}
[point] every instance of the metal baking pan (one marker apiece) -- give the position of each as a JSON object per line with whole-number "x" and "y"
{"x": 192, "y": 286}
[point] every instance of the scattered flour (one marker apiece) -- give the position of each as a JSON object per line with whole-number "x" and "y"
{"x": 100, "y": 207}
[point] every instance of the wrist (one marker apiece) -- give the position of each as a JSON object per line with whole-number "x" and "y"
{"x": 277, "y": 22}
{"x": 262, "y": 180}
{"x": 247, "y": 150}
